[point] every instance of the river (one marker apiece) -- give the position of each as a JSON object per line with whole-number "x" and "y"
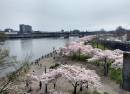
{"x": 33, "y": 48}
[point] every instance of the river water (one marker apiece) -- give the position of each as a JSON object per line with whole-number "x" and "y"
{"x": 33, "y": 48}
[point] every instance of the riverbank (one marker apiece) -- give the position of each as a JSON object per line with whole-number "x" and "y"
{"x": 32, "y": 48}
{"x": 19, "y": 87}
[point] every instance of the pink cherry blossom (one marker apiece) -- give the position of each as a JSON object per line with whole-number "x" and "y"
{"x": 96, "y": 54}
{"x": 73, "y": 74}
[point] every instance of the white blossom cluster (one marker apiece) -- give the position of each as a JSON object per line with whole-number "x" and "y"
{"x": 73, "y": 74}
{"x": 116, "y": 56}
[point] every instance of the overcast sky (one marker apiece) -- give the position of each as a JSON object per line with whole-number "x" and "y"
{"x": 53, "y": 15}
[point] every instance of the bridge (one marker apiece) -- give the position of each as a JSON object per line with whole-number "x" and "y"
{"x": 47, "y": 34}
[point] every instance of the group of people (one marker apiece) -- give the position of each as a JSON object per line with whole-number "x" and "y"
{"x": 52, "y": 54}
{"x": 28, "y": 81}
{"x": 28, "y": 85}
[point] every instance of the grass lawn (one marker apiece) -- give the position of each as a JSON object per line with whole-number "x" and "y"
{"x": 116, "y": 74}
{"x": 100, "y": 46}
{"x": 79, "y": 57}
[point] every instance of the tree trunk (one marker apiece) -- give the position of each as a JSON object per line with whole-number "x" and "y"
{"x": 105, "y": 67}
{"x": 45, "y": 69}
{"x": 75, "y": 88}
{"x": 97, "y": 43}
{"x": 79, "y": 54}
{"x": 54, "y": 85}
{"x": 104, "y": 70}
{"x": 104, "y": 46}
{"x": 46, "y": 88}
{"x": 81, "y": 88}
{"x": 92, "y": 44}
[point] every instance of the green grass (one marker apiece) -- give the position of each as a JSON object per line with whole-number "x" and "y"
{"x": 100, "y": 46}
{"x": 116, "y": 75}
{"x": 97, "y": 63}
{"x": 79, "y": 57}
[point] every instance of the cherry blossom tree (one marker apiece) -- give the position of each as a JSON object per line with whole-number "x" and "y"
{"x": 116, "y": 56}
{"x": 94, "y": 53}
{"x": 76, "y": 75}
{"x": 105, "y": 57}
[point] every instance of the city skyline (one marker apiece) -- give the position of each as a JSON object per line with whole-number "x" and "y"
{"x": 48, "y": 15}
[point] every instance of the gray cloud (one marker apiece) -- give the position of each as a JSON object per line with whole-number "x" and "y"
{"x": 67, "y": 14}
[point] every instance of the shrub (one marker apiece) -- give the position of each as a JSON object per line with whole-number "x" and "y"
{"x": 80, "y": 57}
{"x": 96, "y": 92}
{"x": 54, "y": 66}
{"x": 106, "y": 93}
{"x": 83, "y": 57}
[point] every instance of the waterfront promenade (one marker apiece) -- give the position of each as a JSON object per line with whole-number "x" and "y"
{"x": 63, "y": 87}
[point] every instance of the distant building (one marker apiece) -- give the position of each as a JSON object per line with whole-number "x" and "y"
{"x": 8, "y": 30}
{"x": 25, "y": 28}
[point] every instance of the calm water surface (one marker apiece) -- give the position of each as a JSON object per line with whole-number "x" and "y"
{"x": 33, "y": 48}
